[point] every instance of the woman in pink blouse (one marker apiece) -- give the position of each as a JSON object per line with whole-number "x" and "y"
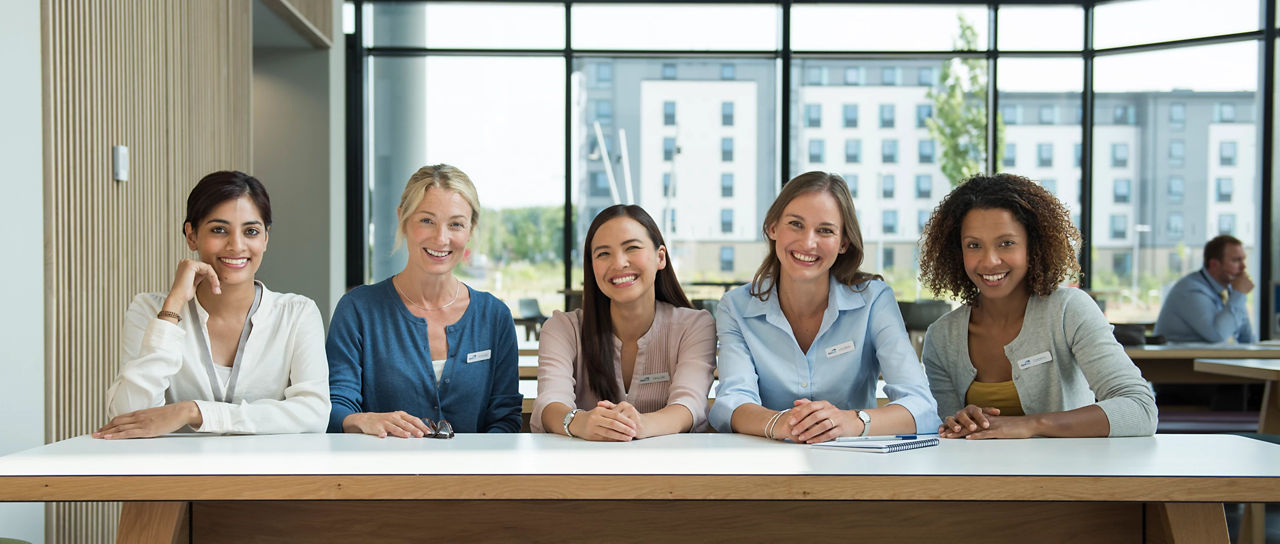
{"x": 637, "y": 359}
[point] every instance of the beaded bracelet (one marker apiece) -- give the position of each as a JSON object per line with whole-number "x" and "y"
{"x": 166, "y": 313}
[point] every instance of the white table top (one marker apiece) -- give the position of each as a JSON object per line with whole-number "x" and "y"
{"x": 1213, "y": 350}
{"x": 688, "y": 454}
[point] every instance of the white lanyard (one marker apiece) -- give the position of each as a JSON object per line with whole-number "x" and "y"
{"x": 235, "y": 364}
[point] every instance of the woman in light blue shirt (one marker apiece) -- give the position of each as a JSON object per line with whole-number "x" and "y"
{"x": 802, "y": 345}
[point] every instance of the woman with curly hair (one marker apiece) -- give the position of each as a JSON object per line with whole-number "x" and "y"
{"x": 802, "y": 345}
{"x": 1022, "y": 357}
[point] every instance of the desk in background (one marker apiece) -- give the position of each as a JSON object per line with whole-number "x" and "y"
{"x": 1174, "y": 363}
{"x": 697, "y": 486}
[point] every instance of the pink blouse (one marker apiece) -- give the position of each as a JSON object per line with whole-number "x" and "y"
{"x": 674, "y": 364}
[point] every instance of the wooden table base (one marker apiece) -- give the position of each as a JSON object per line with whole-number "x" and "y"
{"x": 688, "y": 520}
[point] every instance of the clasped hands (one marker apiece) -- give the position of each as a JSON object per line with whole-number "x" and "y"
{"x": 977, "y": 423}
{"x": 810, "y": 422}
{"x": 609, "y": 422}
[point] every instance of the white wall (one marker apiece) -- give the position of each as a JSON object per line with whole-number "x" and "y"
{"x": 298, "y": 153}
{"x": 22, "y": 288}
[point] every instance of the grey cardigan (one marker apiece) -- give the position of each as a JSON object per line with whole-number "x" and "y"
{"x": 1064, "y": 355}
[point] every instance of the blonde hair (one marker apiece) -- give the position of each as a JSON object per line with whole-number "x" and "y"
{"x": 845, "y": 269}
{"x": 442, "y": 176}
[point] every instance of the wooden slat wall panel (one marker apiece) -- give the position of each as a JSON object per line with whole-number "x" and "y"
{"x": 171, "y": 80}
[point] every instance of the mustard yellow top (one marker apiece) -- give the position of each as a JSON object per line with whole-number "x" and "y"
{"x": 1002, "y": 395}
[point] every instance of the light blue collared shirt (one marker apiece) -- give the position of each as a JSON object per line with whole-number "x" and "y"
{"x": 1193, "y": 312}
{"x": 862, "y": 337}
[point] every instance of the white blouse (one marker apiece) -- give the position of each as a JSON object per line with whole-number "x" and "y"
{"x": 281, "y": 387}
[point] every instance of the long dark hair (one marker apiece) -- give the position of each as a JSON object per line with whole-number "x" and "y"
{"x": 597, "y": 322}
{"x": 846, "y": 268}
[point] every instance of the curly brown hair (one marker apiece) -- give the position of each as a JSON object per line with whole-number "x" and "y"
{"x": 1052, "y": 240}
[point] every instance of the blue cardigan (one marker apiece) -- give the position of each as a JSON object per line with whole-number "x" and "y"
{"x": 379, "y": 361}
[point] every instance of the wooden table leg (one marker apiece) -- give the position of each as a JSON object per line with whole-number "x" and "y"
{"x": 154, "y": 522}
{"x": 1186, "y": 522}
{"x": 1269, "y": 417}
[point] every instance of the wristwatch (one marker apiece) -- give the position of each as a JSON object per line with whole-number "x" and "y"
{"x": 865, "y": 417}
{"x": 568, "y": 418}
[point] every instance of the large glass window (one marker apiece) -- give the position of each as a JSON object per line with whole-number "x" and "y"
{"x": 1193, "y": 106}
{"x": 653, "y": 117}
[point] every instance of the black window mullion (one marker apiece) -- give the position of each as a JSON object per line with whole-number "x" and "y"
{"x": 1267, "y": 242}
{"x": 1086, "y": 152}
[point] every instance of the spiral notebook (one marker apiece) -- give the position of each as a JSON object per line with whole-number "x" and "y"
{"x": 880, "y": 446}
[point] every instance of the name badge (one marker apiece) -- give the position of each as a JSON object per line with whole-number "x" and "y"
{"x": 478, "y": 356}
{"x": 840, "y": 349}
{"x": 1034, "y": 360}
{"x": 655, "y": 378}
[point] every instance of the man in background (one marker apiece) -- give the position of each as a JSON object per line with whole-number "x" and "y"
{"x": 1208, "y": 305}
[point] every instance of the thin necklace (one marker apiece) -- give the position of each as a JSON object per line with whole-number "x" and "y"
{"x": 456, "y": 289}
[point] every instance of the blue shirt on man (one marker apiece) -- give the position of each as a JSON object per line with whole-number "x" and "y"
{"x": 862, "y": 337}
{"x": 380, "y": 361}
{"x": 1194, "y": 311}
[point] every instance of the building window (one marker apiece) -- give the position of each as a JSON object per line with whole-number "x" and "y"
{"x": 1177, "y": 153}
{"x": 886, "y": 186}
{"x": 726, "y": 149}
{"x": 817, "y": 150}
{"x": 671, "y": 221}
{"x": 1121, "y": 263}
{"x": 726, "y": 114}
{"x": 726, "y": 184}
{"x": 886, "y": 258}
{"x": 1225, "y": 188}
{"x": 1051, "y": 185}
{"x": 1119, "y": 155}
{"x": 888, "y": 76}
{"x": 1124, "y": 115}
{"x": 604, "y": 73}
{"x": 669, "y": 113}
{"x": 922, "y": 220}
{"x": 926, "y": 151}
{"x": 1227, "y": 153}
{"x": 1173, "y": 229}
{"x": 1011, "y": 113}
{"x": 813, "y": 115}
{"x": 666, "y": 185}
{"x": 1044, "y": 155}
{"x": 1177, "y": 188}
{"x": 924, "y": 186}
{"x": 1078, "y": 150}
{"x": 852, "y": 181}
{"x": 890, "y": 220}
{"x": 850, "y": 115}
{"x": 1010, "y": 158}
{"x": 1177, "y": 115}
{"x": 1225, "y": 112}
{"x": 668, "y": 149}
{"x": 604, "y": 111}
{"x": 853, "y": 151}
{"x": 1119, "y": 226}
{"x": 815, "y": 75}
{"x": 599, "y": 184}
{"x": 1227, "y": 224}
{"x": 889, "y": 151}
{"x": 1048, "y": 114}
{"x": 726, "y": 258}
{"x": 728, "y": 72}
{"x": 726, "y": 221}
{"x": 886, "y": 115}
{"x": 923, "y": 113}
{"x": 853, "y": 76}
{"x": 668, "y": 71}
{"x": 1121, "y": 191}
{"x": 924, "y": 77}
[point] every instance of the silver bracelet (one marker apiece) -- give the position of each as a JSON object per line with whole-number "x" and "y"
{"x": 773, "y": 423}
